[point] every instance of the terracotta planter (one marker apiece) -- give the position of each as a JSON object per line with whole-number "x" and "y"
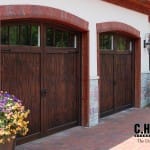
{"x": 8, "y": 146}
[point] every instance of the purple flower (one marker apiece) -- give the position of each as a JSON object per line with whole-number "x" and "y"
{"x": 7, "y": 98}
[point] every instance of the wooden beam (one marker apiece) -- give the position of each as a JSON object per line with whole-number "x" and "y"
{"x": 142, "y": 6}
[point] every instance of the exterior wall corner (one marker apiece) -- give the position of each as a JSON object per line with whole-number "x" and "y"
{"x": 93, "y": 101}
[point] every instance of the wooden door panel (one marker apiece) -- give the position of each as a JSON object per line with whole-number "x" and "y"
{"x": 72, "y": 87}
{"x": 21, "y": 77}
{"x": 106, "y": 83}
{"x": 61, "y": 83}
{"x": 115, "y": 82}
{"x": 122, "y": 80}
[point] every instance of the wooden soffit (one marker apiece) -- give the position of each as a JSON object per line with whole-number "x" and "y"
{"x": 142, "y": 6}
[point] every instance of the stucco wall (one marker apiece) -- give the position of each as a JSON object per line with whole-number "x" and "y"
{"x": 96, "y": 11}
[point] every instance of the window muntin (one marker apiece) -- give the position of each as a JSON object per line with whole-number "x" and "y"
{"x": 60, "y": 38}
{"x": 112, "y": 41}
{"x": 20, "y": 34}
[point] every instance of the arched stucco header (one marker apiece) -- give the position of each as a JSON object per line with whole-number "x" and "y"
{"x": 117, "y": 26}
{"x": 8, "y": 12}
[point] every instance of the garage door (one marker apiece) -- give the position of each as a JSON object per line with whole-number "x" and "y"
{"x": 41, "y": 65}
{"x": 116, "y": 71}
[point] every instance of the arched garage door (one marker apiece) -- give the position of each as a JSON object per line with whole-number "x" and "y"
{"x": 40, "y": 64}
{"x": 116, "y": 70}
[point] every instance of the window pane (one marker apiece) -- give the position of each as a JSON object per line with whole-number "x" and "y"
{"x": 13, "y": 34}
{"x": 4, "y": 35}
{"x": 49, "y": 37}
{"x": 123, "y": 43}
{"x": 66, "y": 38}
{"x": 60, "y": 38}
{"x": 25, "y": 36}
{"x": 115, "y": 41}
{"x": 34, "y": 35}
{"x": 59, "y": 42}
{"x": 72, "y": 40}
{"x": 106, "y": 41}
{"x": 20, "y": 34}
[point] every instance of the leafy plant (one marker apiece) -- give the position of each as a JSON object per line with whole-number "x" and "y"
{"x": 12, "y": 117}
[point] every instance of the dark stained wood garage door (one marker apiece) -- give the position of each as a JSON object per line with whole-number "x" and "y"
{"x": 45, "y": 76}
{"x": 116, "y": 73}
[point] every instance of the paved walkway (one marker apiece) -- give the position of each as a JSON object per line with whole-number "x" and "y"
{"x": 115, "y": 132}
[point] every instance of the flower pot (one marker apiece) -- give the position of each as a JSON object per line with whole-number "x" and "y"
{"x": 8, "y": 146}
